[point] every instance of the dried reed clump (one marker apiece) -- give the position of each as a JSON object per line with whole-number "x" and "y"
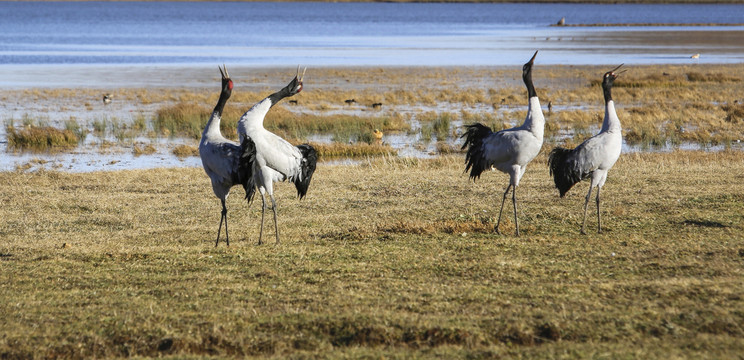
{"x": 648, "y": 81}
{"x": 734, "y": 113}
{"x": 40, "y": 137}
{"x": 443, "y": 148}
{"x": 185, "y": 151}
{"x": 186, "y": 119}
{"x": 483, "y": 118}
{"x": 342, "y": 127}
{"x": 353, "y": 150}
{"x": 645, "y": 134}
{"x": 147, "y": 149}
{"x": 438, "y": 124}
{"x": 189, "y": 119}
{"x": 714, "y": 77}
{"x": 668, "y": 80}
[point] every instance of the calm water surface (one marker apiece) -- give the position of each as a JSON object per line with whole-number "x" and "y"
{"x": 144, "y": 33}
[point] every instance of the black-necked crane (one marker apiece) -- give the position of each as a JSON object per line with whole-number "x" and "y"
{"x": 226, "y": 162}
{"x": 107, "y": 98}
{"x": 594, "y": 157}
{"x": 276, "y": 159}
{"x": 508, "y": 150}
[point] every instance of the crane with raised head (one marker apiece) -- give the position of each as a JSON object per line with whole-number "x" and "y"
{"x": 508, "y": 150}
{"x": 226, "y": 162}
{"x": 594, "y": 157}
{"x": 276, "y": 159}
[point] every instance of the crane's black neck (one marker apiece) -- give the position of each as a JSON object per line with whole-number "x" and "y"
{"x": 279, "y": 95}
{"x": 224, "y": 95}
{"x": 607, "y": 88}
{"x": 527, "y": 77}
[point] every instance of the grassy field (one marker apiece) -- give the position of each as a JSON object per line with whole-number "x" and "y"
{"x": 391, "y": 258}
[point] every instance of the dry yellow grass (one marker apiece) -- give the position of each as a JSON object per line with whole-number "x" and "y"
{"x": 390, "y": 258}
{"x": 40, "y": 138}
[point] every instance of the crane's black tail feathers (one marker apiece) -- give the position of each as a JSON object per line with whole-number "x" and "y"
{"x": 564, "y": 174}
{"x": 309, "y": 159}
{"x": 475, "y": 158}
{"x": 245, "y": 167}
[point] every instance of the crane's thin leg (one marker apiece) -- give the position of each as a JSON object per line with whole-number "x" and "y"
{"x": 588, "y": 196}
{"x": 276, "y": 226}
{"x": 599, "y": 220}
{"x": 503, "y": 199}
{"x": 263, "y": 210}
{"x": 514, "y": 200}
{"x": 224, "y": 216}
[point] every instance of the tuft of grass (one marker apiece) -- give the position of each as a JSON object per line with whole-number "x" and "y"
{"x": 72, "y": 125}
{"x": 734, "y": 113}
{"x": 143, "y": 149}
{"x": 694, "y": 76}
{"x": 185, "y": 151}
{"x": 443, "y": 148}
{"x": 183, "y": 119}
{"x": 295, "y": 126}
{"x": 40, "y": 138}
{"x": 335, "y": 150}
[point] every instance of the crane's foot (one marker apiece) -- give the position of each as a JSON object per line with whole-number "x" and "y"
{"x": 583, "y": 232}
{"x": 496, "y": 230}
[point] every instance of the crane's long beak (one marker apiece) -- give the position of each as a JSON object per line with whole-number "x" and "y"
{"x": 615, "y": 69}
{"x": 298, "y": 76}
{"x": 532, "y": 61}
{"x": 222, "y": 73}
{"x": 226, "y": 74}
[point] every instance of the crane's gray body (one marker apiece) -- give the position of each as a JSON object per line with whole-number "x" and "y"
{"x": 226, "y": 162}
{"x": 220, "y": 158}
{"x": 507, "y": 150}
{"x": 594, "y": 157}
{"x": 511, "y": 150}
{"x": 276, "y": 159}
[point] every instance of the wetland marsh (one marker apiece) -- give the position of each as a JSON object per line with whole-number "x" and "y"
{"x": 421, "y": 112}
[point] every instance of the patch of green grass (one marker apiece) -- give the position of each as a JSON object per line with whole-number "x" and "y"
{"x": 73, "y": 125}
